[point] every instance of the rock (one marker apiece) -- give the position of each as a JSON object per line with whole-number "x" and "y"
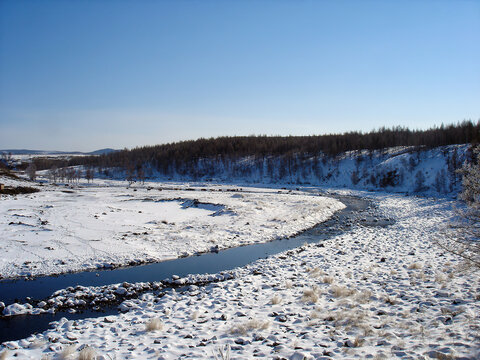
{"x": 241, "y": 341}
{"x": 383, "y": 342}
{"x": 299, "y": 356}
{"x": 349, "y": 343}
{"x": 41, "y": 304}
{"x": 71, "y": 337}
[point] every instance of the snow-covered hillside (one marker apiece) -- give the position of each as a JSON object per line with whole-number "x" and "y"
{"x": 400, "y": 169}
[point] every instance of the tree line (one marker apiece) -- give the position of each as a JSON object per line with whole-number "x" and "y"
{"x": 182, "y": 153}
{"x": 184, "y": 156}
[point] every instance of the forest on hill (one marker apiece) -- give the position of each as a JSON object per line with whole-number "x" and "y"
{"x": 182, "y": 154}
{"x": 398, "y": 158}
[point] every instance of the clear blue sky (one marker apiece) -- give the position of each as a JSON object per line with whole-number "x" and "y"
{"x": 83, "y": 75}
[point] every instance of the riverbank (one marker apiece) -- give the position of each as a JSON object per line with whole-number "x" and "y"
{"x": 47, "y": 299}
{"x": 107, "y": 225}
{"x": 384, "y": 292}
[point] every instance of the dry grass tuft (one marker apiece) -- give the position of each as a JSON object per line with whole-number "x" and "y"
{"x": 415, "y": 266}
{"x": 87, "y": 353}
{"x": 154, "y": 324}
{"x": 390, "y": 300}
{"x": 311, "y": 295}
{"x": 276, "y": 299}
{"x": 440, "y": 278}
{"x": 363, "y": 296}
{"x": 367, "y": 330}
{"x": 316, "y": 272}
{"x": 314, "y": 315}
{"x": 358, "y": 341}
{"x": 4, "y": 354}
{"x": 67, "y": 352}
{"x": 288, "y": 284}
{"x": 328, "y": 279}
{"x": 252, "y": 324}
{"x": 195, "y": 315}
{"x": 341, "y": 291}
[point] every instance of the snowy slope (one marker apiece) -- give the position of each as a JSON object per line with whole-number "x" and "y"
{"x": 402, "y": 169}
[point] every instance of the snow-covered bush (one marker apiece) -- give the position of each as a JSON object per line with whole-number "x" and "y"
{"x": 471, "y": 180}
{"x": 464, "y": 238}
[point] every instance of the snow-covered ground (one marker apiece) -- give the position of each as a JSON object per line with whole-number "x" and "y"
{"x": 372, "y": 292}
{"x": 63, "y": 229}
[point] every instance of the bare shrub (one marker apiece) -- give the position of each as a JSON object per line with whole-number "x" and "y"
{"x": 463, "y": 236}
{"x": 222, "y": 353}
{"x": 252, "y": 324}
{"x": 154, "y": 324}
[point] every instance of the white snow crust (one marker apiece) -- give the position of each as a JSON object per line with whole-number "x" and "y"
{"x": 63, "y": 229}
{"x": 372, "y": 292}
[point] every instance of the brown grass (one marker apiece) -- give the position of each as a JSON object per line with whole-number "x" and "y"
{"x": 415, "y": 266}
{"x": 276, "y": 299}
{"x": 311, "y": 295}
{"x": 154, "y": 324}
{"x": 341, "y": 291}
{"x": 252, "y": 324}
{"x": 363, "y": 296}
{"x": 328, "y": 279}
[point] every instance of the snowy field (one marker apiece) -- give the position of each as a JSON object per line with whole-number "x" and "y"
{"x": 63, "y": 229}
{"x": 372, "y": 292}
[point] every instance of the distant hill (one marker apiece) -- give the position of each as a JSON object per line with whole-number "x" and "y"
{"x": 102, "y": 151}
{"x": 46, "y": 152}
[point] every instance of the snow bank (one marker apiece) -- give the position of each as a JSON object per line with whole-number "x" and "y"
{"x": 62, "y": 229}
